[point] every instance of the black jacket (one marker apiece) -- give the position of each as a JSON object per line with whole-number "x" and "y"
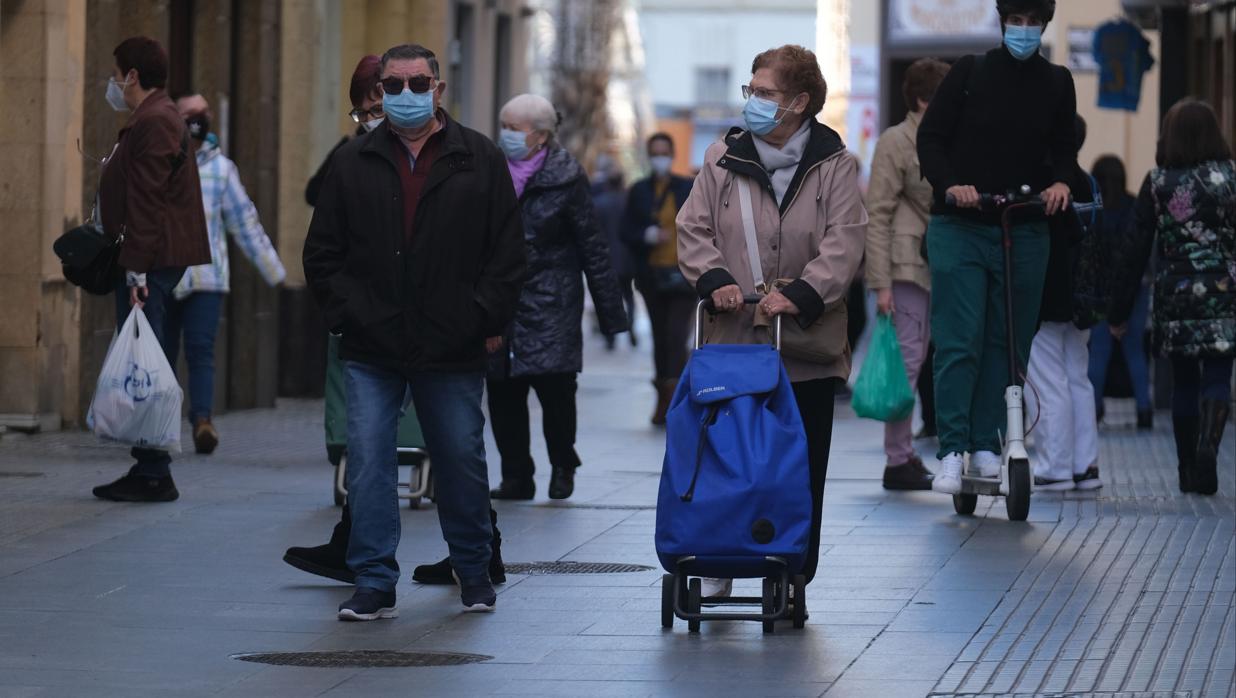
{"x": 561, "y": 239}
{"x": 427, "y": 306}
{"x": 639, "y": 215}
{"x": 1015, "y": 128}
{"x": 1062, "y": 262}
{"x": 315, "y": 182}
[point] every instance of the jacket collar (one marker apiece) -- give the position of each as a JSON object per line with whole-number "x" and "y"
{"x": 382, "y": 140}
{"x": 741, "y": 157}
{"x": 559, "y": 169}
{"x": 153, "y": 101}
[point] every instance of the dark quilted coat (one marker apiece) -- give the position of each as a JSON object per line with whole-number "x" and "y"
{"x": 564, "y": 243}
{"x": 1188, "y": 215}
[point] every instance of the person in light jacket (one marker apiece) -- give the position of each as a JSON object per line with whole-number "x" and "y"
{"x": 200, "y": 293}
{"x": 899, "y": 202}
{"x": 810, "y": 224}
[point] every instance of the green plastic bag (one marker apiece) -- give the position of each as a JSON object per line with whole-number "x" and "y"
{"x": 882, "y": 391}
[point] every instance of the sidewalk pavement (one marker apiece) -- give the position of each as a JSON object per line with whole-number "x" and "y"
{"x": 1129, "y": 592}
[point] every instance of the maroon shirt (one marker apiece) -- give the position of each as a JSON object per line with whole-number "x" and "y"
{"x": 412, "y": 178}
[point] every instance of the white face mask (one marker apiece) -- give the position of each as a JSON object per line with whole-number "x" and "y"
{"x": 374, "y": 123}
{"x": 115, "y": 94}
{"x": 661, "y": 164}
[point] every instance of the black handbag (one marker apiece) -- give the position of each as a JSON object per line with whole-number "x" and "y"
{"x": 90, "y": 258}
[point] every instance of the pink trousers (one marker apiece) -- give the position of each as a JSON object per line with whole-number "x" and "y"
{"x": 912, "y": 318}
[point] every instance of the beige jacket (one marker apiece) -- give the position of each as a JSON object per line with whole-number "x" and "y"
{"x": 815, "y": 237}
{"x": 899, "y": 201}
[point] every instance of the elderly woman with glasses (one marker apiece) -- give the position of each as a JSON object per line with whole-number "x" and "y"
{"x": 787, "y": 184}
{"x": 543, "y": 347}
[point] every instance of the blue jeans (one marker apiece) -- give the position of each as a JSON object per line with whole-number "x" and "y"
{"x": 1199, "y": 379}
{"x": 198, "y": 317}
{"x": 449, "y": 408}
{"x": 159, "y": 283}
{"x": 1131, "y": 345}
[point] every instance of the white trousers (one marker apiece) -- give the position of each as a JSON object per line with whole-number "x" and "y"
{"x": 1062, "y": 398}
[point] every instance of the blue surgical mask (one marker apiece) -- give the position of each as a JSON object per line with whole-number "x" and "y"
{"x": 115, "y": 94}
{"x": 761, "y": 115}
{"x": 409, "y": 109}
{"x": 1023, "y": 42}
{"x": 514, "y": 144}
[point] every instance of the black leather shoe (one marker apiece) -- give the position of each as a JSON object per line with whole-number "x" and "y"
{"x": 911, "y": 475}
{"x": 369, "y": 604}
{"x": 441, "y": 572}
{"x": 139, "y": 488}
{"x": 1184, "y": 430}
{"x": 562, "y": 484}
{"x": 514, "y": 489}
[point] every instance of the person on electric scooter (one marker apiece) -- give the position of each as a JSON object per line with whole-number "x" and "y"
{"x": 994, "y": 122}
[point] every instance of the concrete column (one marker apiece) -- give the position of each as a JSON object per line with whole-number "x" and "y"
{"x": 41, "y": 74}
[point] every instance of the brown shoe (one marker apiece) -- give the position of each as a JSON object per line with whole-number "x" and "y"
{"x": 911, "y": 475}
{"x": 205, "y": 438}
{"x": 665, "y": 393}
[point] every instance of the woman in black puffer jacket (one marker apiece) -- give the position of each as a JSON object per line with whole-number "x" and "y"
{"x": 543, "y": 348}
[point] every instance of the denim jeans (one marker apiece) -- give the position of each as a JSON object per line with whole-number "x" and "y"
{"x": 1131, "y": 345}
{"x": 198, "y": 317}
{"x": 449, "y": 408}
{"x": 159, "y": 283}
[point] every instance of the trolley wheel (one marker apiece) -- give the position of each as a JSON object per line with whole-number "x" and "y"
{"x": 340, "y": 499}
{"x": 964, "y": 503}
{"x": 667, "y": 601}
{"x": 693, "y": 604}
{"x": 770, "y": 604}
{"x": 800, "y": 601}
{"x": 1017, "y": 502}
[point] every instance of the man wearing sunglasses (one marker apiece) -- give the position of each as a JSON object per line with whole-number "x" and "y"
{"x": 415, "y": 254}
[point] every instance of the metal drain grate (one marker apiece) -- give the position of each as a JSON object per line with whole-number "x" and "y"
{"x": 362, "y": 658}
{"x": 567, "y": 567}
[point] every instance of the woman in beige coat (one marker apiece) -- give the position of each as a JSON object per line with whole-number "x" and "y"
{"x": 809, "y": 225}
{"x": 899, "y": 201}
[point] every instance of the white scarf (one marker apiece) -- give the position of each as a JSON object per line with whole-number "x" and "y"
{"x": 782, "y": 164}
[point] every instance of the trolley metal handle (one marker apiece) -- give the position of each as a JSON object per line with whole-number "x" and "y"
{"x": 706, "y": 306}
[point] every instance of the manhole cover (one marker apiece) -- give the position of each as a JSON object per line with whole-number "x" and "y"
{"x": 566, "y": 567}
{"x": 11, "y": 474}
{"x": 362, "y": 658}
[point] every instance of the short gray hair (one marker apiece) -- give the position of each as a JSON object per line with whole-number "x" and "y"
{"x": 411, "y": 52}
{"x": 539, "y": 112}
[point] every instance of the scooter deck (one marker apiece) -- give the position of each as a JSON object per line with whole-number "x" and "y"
{"x": 981, "y": 485}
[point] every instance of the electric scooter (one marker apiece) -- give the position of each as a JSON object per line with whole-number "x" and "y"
{"x": 1015, "y": 460}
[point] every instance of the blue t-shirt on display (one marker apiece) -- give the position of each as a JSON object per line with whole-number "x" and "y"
{"x": 1123, "y": 55}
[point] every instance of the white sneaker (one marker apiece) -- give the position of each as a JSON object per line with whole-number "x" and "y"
{"x": 711, "y": 587}
{"x": 986, "y": 463}
{"x": 948, "y": 475}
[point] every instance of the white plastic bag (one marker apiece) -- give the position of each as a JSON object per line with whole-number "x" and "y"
{"x": 137, "y": 400}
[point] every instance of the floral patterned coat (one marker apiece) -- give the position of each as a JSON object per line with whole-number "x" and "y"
{"x": 1189, "y": 216}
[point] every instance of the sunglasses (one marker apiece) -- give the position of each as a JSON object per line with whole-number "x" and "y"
{"x": 416, "y": 83}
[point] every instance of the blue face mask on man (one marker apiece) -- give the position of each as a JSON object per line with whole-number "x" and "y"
{"x": 1023, "y": 41}
{"x": 409, "y": 109}
{"x": 761, "y": 115}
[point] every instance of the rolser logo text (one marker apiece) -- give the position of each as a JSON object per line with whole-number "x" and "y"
{"x": 715, "y": 389}
{"x": 138, "y": 384}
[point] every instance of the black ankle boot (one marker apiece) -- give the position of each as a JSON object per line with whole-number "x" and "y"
{"x": 1185, "y": 431}
{"x": 441, "y": 572}
{"x": 562, "y": 484}
{"x": 1145, "y": 420}
{"x": 1209, "y": 436}
{"x": 514, "y": 489}
{"x": 329, "y": 560}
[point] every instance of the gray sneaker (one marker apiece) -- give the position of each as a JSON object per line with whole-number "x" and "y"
{"x": 477, "y": 596}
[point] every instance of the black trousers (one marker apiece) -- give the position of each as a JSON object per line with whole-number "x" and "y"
{"x": 815, "y": 403}
{"x": 509, "y": 419}
{"x": 671, "y": 315}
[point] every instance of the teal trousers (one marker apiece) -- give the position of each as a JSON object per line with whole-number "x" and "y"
{"x": 968, "y": 324}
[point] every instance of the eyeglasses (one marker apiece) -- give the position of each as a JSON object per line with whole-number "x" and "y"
{"x": 375, "y": 112}
{"x": 760, "y": 92}
{"x": 416, "y": 83}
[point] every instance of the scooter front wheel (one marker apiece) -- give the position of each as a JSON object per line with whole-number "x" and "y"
{"x": 1017, "y": 501}
{"x": 965, "y": 504}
